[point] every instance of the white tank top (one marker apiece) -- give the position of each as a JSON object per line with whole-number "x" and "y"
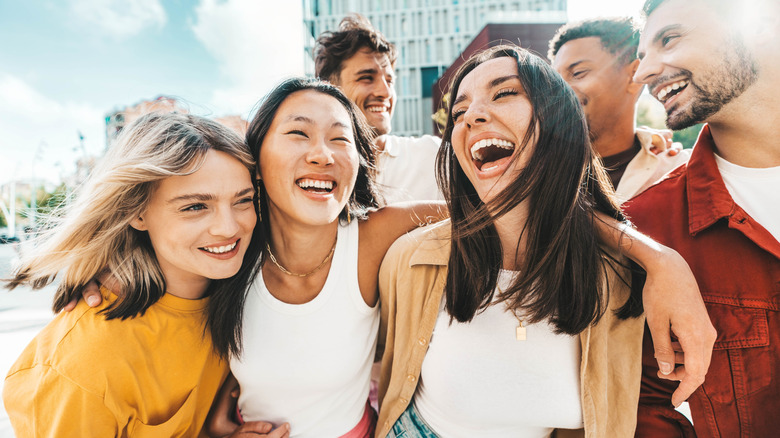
{"x": 309, "y": 364}
{"x": 479, "y": 380}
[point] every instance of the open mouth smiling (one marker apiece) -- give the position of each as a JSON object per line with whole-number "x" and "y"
{"x": 318, "y": 186}
{"x": 663, "y": 94}
{"x": 488, "y": 153}
{"x": 220, "y": 249}
{"x": 377, "y": 108}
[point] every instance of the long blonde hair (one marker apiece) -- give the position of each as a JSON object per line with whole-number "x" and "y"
{"x": 94, "y": 233}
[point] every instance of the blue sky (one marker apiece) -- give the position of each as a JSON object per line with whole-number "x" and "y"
{"x": 64, "y": 64}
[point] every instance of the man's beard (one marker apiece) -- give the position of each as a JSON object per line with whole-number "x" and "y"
{"x": 736, "y": 73}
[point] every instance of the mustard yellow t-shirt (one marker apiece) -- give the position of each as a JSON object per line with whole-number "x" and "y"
{"x": 154, "y": 375}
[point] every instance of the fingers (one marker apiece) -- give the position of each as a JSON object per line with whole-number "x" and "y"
{"x": 662, "y": 344}
{"x": 688, "y": 384}
{"x": 71, "y": 305}
{"x": 697, "y": 348}
{"x": 261, "y": 428}
{"x": 282, "y": 431}
{"x": 91, "y": 294}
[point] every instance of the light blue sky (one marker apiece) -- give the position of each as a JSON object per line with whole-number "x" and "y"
{"x": 64, "y": 64}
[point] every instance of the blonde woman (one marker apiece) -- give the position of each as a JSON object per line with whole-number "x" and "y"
{"x": 170, "y": 214}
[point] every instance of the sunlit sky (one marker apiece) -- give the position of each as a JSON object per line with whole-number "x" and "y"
{"x": 64, "y": 64}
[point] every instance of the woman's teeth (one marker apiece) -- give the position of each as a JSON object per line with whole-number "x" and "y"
{"x": 221, "y": 249}
{"x": 315, "y": 184}
{"x": 478, "y": 150}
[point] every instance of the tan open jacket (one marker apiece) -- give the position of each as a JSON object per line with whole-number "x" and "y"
{"x": 411, "y": 283}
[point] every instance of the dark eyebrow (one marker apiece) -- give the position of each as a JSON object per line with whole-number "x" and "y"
{"x": 299, "y": 118}
{"x": 493, "y": 83}
{"x": 369, "y": 71}
{"x": 663, "y": 30}
{"x": 501, "y": 80}
{"x": 459, "y": 99}
{"x": 244, "y": 192}
{"x": 204, "y": 197}
{"x": 576, "y": 63}
{"x": 658, "y": 36}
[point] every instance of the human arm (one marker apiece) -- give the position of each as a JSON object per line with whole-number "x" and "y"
{"x": 222, "y": 421}
{"x": 381, "y": 229}
{"x": 673, "y": 306}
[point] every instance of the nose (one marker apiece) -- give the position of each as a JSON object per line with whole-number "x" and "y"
{"x": 320, "y": 154}
{"x": 225, "y": 222}
{"x": 649, "y": 67}
{"x": 476, "y": 114}
{"x": 382, "y": 88}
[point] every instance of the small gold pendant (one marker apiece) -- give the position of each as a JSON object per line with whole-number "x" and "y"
{"x": 520, "y": 333}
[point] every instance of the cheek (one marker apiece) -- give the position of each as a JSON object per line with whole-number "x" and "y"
{"x": 353, "y": 164}
{"x": 459, "y": 144}
{"x": 248, "y": 219}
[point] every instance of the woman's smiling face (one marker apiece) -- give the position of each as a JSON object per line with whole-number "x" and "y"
{"x": 491, "y": 116}
{"x": 200, "y": 224}
{"x": 308, "y": 159}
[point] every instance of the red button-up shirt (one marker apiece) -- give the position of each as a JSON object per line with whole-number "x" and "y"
{"x": 736, "y": 263}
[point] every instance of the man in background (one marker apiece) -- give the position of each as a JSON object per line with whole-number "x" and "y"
{"x": 598, "y": 60}
{"x": 718, "y": 62}
{"x": 360, "y": 61}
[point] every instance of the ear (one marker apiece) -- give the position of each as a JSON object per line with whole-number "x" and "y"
{"x": 139, "y": 224}
{"x": 634, "y": 88}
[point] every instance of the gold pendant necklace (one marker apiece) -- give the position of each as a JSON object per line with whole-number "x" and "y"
{"x": 520, "y": 333}
{"x": 519, "y": 330}
{"x": 286, "y": 271}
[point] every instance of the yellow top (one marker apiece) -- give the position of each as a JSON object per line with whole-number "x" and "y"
{"x": 153, "y": 375}
{"x": 411, "y": 284}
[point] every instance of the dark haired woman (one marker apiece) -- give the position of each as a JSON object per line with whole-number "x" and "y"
{"x": 504, "y": 320}
{"x": 311, "y": 316}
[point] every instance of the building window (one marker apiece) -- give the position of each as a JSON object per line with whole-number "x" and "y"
{"x": 428, "y": 77}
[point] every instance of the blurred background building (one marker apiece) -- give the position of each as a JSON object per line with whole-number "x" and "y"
{"x": 431, "y": 35}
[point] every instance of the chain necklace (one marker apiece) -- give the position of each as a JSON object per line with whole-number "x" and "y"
{"x": 520, "y": 333}
{"x": 286, "y": 271}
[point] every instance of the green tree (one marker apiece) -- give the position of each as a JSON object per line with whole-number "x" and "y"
{"x": 688, "y": 135}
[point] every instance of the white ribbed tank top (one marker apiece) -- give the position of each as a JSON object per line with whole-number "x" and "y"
{"x": 310, "y": 364}
{"x": 478, "y": 380}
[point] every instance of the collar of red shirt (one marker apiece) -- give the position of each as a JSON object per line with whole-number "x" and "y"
{"x": 709, "y": 199}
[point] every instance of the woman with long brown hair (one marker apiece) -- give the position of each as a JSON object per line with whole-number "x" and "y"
{"x": 510, "y": 319}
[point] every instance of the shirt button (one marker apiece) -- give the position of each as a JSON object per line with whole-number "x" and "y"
{"x": 411, "y": 378}
{"x": 422, "y": 341}
{"x": 404, "y": 401}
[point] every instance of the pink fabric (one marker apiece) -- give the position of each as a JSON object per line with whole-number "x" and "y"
{"x": 365, "y": 427}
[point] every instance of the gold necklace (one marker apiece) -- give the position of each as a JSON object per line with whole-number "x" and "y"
{"x": 283, "y": 269}
{"x": 520, "y": 333}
